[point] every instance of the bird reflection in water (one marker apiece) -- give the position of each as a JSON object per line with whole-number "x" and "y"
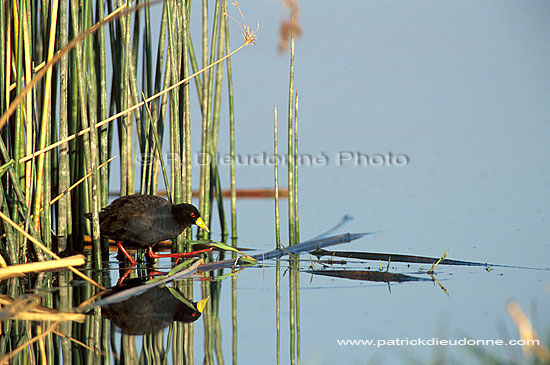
{"x": 152, "y": 310}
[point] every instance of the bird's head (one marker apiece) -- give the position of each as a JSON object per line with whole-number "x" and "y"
{"x": 190, "y": 214}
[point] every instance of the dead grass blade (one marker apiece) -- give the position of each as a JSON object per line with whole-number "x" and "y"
{"x": 527, "y": 333}
{"x": 18, "y": 270}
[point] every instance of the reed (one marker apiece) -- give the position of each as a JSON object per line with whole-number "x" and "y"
{"x": 277, "y": 240}
{"x": 296, "y": 230}
{"x": 292, "y": 172}
{"x": 58, "y": 151}
{"x": 231, "y": 102}
{"x": 68, "y": 144}
{"x": 234, "y": 321}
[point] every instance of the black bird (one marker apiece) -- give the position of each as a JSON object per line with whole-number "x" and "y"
{"x": 144, "y": 220}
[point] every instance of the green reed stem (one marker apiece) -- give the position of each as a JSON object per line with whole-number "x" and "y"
{"x": 125, "y": 129}
{"x": 158, "y": 149}
{"x": 162, "y": 115}
{"x": 233, "y": 185}
{"x": 195, "y": 68}
{"x": 219, "y": 198}
{"x": 90, "y": 144}
{"x": 65, "y": 304}
{"x": 156, "y": 108}
{"x": 19, "y": 127}
{"x": 215, "y": 287}
{"x": 43, "y": 179}
{"x": 135, "y": 44}
{"x": 277, "y": 239}
{"x": 234, "y": 323}
{"x": 291, "y": 196}
{"x": 276, "y": 174}
{"x": 19, "y": 203}
{"x": 292, "y": 310}
{"x": 46, "y": 215}
{"x": 11, "y": 237}
{"x": 205, "y": 143}
{"x": 103, "y": 131}
{"x": 147, "y": 89}
{"x": 207, "y": 321}
{"x": 92, "y": 90}
{"x": 296, "y": 229}
{"x": 175, "y": 44}
{"x": 187, "y": 170}
{"x": 148, "y": 54}
{"x": 27, "y": 218}
{"x": 291, "y": 210}
{"x": 216, "y": 114}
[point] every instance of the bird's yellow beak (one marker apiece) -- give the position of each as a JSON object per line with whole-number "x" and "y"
{"x": 202, "y": 303}
{"x": 201, "y": 224}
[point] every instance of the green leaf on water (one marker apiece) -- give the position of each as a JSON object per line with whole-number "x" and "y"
{"x": 222, "y": 246}
{"x": 247, "y": 260}
{"x": 181, "y": 266}
{"x": 179, "y": 297}
{"x": 174, "y": 270}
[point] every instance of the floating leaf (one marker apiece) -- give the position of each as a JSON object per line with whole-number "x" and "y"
{"x": 223, "y": 246}
{"x": 438, "y": 261}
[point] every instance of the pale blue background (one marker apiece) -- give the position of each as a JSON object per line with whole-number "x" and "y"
{"x": 460, "y": 87}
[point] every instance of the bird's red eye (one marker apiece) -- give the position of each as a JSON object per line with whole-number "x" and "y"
{"x": 192, "y": 215}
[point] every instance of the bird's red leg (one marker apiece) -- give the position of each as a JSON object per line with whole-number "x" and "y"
{"x": 123, "y": 250}
{"x": 153, "y": 273}
{"x": 177, "y": 254}
{"x": 123, "y": 277}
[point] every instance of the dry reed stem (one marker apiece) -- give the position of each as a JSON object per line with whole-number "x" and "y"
{"x": 77, "y": 342}
{"x": 80, "y": 181}
{"x": 18, "y": 270}
{"x": 54, "y": 317}
{"x": 41, "y": 345}
{"x": 47, "y": 250}
{"x": 85, "y": 303}
{"x": 527, "y": 333}
{"x": 28, "y": 106}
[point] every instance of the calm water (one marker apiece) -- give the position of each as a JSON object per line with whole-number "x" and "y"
{"x": 462, "y": 302}
{"x": 471, "y": 306}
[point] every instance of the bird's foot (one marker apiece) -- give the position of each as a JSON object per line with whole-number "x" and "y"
{"x": 177, "y": 255}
